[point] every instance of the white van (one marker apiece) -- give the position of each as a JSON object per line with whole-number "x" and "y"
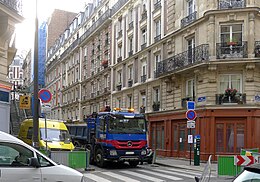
{"x": 20, "y": 162}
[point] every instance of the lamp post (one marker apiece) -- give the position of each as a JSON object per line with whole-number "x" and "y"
{"x": 35, "y": 86}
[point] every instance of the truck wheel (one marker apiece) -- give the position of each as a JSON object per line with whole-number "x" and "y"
{"x": 133, "y": 163}
{"x": 99, "y": 158}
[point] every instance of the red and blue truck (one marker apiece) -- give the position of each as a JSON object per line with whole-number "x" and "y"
{"x": 112, "y": 136}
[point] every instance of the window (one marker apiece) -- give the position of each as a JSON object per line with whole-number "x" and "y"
{"x": 233, "y": 81}
{"x": 156, "y": 94}
{"x": 130, "y": 72}
{"x": 129, "y": 98}
{"x": 130, "y": 15}
{"x": 191, "y": 50}
{"x": 191, "y": 6}
{"x": 119, "y": 77}
{"x": 119, "y": 51}
{"x": 119, "y": 102}
{"x": 14, "y": 155}
{"x": 231, "y": 34}
{"x": 190, "y": 92}
{"x": 143, "y": 99}
{"x": 92, "y": 88}
{"x": 130, "y": 43}
{"x": 157, "y": 59}
{"x": 143, "y": 36}
{"x": 158, "y": 28}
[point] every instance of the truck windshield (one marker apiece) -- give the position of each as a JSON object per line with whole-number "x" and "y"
{"x": 54, "y": 135}
{"x": 127, "y": 125}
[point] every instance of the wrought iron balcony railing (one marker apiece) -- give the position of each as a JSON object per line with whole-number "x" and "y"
{"x": 70, "y": 48}
{"x": 143, "y": 46}
{"x": 189, "y": 19}
{"x": 130, "y": 83}
{"x": 106, "y": 16}
{"x": 15, "y": 5}
{"x": 239, "y": 98}
{"x": 157, "y": 5}
{"x": 143, "y": 78}
{"x": 184, "y": 101}
{"x": 118, "y": 5}
{"x": 119, "y": 87}
{"x": 237, "y": 50}
{"x": 187, "y": 58}
{"x": 257, "y": 49}
{"x": 230, "y": 4}
{"x": 119, "y": 59}
{"x": 157, "y": 38}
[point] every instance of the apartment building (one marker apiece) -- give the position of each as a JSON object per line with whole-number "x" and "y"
{"x": 10, "y": 14}
{"x": 154, "y": 56}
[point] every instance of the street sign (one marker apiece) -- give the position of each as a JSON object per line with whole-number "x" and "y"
{"x": 191, "y": 124}
{"x": 45, "y": 95}
{"x": 202, "y": 99}
{"x": 190, "y": 138}
{"x": 191, "y": 115}
{"x": 243, "y": 160}
{"x": 45, "y": 108}
{"x": 190, "y": 105}
{"x": 25, "y": 102}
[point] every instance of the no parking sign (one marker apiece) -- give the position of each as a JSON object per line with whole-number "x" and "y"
{"x": 45, "y": 95}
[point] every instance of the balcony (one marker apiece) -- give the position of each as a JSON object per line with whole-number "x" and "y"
{"x": 119, "y": 59}
{"x": 157, "y": 38}
{"x": 189, "y": 19}
{"x": 156, "y": 105}
{"x": 257, "y": 49}
{"x": 144, "y": 15}
{"x": 157, "y": 5}
{"x": 223, "y": 99}
{"x": 231, "y": 4}
{"x": 193, "y": 56}
{"x": 234, "y": 50}
{"x": 131, "y": 26}
{"x": 119, "y": 87}
{"x": 143, "y": 78}
{"x": 15, "y": 5}
{"x": 184, "y": 101}
{"x": 130, "y": 83}
{"x": 130, "y": 53}
{"x": 118, "y": 5}
{"x": 143, "y": 46}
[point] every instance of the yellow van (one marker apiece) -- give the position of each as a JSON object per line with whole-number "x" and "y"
{"x": 58, "y": 137}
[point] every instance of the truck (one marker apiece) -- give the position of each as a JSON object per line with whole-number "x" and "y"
{"x": 112, "y": 136}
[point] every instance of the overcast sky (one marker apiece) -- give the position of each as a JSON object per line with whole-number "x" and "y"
{"x": 25, "y": 30}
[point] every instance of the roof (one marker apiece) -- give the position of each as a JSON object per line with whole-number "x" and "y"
{"x": 7, "y": 137}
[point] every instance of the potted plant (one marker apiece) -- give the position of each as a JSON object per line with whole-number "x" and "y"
{"x": 104, "y": 62}
{"x": 231, "y": 41}
{"x": 229, "y": 92}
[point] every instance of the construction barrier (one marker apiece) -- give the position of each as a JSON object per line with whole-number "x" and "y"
{"x": 226, "y": 166}
{"x": 249, "y": 152}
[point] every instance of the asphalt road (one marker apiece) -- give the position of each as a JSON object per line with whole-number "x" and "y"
{"x": 144, "y": 173}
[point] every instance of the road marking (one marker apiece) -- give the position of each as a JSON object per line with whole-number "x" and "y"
{"x": 96, "y": 178}
{"x": 143, "y": 176}
{"x": 123, "y": 178}
{"x": 161, "y": 175}
{"x": 176, "y": 173}
{"x": 189, "y": 172}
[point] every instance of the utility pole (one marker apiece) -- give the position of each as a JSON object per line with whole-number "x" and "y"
{"x": 35, "y": 86}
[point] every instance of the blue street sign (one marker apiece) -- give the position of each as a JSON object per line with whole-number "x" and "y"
{"x": 45, "y": 95}
{"x": 202, "y": 99}
{"x": 197, "y": 137}
{"x": 257, "y": 98}
{"x": 190, "y": 105}
{"x": 191, "y": 115}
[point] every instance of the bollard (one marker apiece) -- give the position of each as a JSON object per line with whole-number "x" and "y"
{"x": 88, "y": 161}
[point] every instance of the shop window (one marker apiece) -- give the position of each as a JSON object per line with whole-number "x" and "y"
{"x": 220, "y": 137}
{"x": 175, "y": 137}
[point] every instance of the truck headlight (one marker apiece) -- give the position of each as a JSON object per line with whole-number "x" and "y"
{"x": 113, "y": 152}
{"x": 143, "y": 152}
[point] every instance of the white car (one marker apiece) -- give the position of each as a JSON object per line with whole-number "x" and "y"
{"x": 20, "y": 162}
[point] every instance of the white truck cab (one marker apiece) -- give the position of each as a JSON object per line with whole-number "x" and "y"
{"x": 20, "y": 162}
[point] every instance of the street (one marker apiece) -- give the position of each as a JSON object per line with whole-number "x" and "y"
{"x": 142, "y": 173}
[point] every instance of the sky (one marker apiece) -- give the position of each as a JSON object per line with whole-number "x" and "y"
{"x": 25, "y": 30}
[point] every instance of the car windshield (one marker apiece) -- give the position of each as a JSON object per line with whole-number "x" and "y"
{"x": 54, "y": 135}
{"x": 127, "y": 125}
{"x": 248, "y": 176}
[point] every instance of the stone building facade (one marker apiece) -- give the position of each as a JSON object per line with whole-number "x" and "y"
{"x": 162, "y": 54}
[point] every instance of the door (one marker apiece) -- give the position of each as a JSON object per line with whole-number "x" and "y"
{"x": 182, "y": 139}
{"x": 14, "y": 166}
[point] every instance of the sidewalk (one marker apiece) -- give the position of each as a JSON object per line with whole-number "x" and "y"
{"x": 183, "y": 163}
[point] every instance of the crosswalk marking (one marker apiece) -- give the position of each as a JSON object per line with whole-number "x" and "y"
{"x": 96, "y": 178}
{"x": 121, "y": 177}
{"x": 189, "y": 172}
{"x": 175, "y": 173}
{"x": 161, "y": 175}
{"x": 142, "y": 176}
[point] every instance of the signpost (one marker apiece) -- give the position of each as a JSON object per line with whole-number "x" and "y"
{"x": 25, "y": 102}
{"x": 243, "y": 160}
{"x": 45, "y": 95}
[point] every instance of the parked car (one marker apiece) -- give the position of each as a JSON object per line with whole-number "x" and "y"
{"x": 21, "y": 162}
{"x": 250, "y": 173}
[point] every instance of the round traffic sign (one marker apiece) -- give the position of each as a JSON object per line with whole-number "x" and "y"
{"x": 191, "y": 115}
{"x": 45, "y": 95}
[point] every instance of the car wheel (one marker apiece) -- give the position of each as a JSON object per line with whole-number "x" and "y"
{"x": 99, "y": 158}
